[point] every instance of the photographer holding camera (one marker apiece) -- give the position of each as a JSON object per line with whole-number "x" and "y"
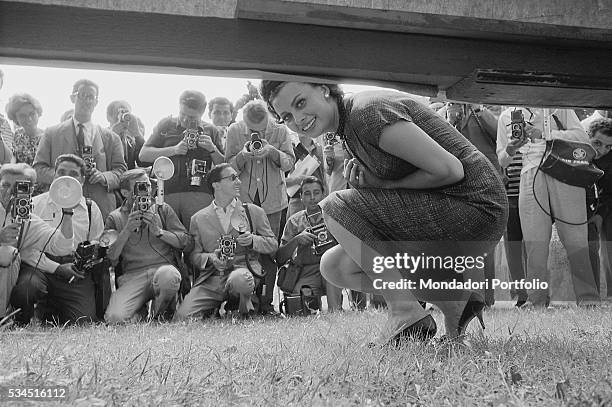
{"x": 194, "y": 147}
{"x": 148, "y": 236}
{"x": 544, "y": 198}
{"x": 68, "y": 291}
{"x": 30, "y": 235}
{"x": 261, "y": 152}
{"x": 130, "y": 129}
{"x": 229, "y": 237}
{"x": 99, "y": 147}
{"x": 304, "y": 240}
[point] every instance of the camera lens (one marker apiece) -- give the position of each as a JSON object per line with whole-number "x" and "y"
{"x": 22, "y": 212}
{"x": 22, "y": 202}
{"x": 322, "y": 236}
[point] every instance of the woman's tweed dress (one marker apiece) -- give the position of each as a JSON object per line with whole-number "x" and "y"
{"x": 473, "y": 210}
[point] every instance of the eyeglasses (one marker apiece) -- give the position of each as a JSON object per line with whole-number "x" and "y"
{"x": 232, "y": 177}
{"x": 83, "y": 97}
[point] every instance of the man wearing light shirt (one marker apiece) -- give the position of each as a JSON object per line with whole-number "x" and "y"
{"x": 74, "y": 300}
{"x": 565, "y": 202}
{"x": 37, "y": 237}
{"x": 71, "y": 136}
{"x": 144, "y": 251}
{"x": 221, "y": 278}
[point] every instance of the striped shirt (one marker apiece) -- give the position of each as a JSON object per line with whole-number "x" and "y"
{"x": 513, "y": 174}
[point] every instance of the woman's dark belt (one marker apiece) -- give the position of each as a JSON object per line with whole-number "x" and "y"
{"x": 60, "y": 259}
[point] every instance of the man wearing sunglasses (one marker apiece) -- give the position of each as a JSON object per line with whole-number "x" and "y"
{"x": 228, "y": 240}
{"x": 99, "y": 147}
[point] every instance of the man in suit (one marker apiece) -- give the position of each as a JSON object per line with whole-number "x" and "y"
{"x": 78, "y": 135}
{"x": 227, "y": 273}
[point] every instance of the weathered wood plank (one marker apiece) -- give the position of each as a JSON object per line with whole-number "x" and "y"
{"x": 439, "y": 23}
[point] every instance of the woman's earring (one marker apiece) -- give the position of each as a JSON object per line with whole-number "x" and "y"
{"x": 326, "y": 94}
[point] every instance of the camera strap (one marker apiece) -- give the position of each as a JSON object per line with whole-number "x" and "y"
{"x": 314, "y": 212}
{"x": 246, "y": 255}
{"x": 88, "y": 203}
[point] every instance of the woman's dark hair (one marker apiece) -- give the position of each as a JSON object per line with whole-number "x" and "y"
{"x": 269, "y": 90}
{"x": 214, "y": 175}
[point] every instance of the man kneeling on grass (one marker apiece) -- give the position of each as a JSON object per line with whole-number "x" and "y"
{"x": 67, "y": 290}
{"x": 24, "y": 235}
{"x": 298, "y": 241}
{"x": 228, "y": 239}
{"x": 144, "y": 250}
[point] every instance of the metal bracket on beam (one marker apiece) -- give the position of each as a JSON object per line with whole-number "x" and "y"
{"x": 540, "y": 89}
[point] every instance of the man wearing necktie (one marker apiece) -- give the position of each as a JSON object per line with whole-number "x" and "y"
{"x": 78, "y": 135}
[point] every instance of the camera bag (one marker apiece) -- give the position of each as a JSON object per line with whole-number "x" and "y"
{"x": 306, "y": 303}
{"x": 570, "y": 162}
{"x": 288, "y": 275}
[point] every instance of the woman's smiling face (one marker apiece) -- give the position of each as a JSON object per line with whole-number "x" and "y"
{"x": 306, "y": 109}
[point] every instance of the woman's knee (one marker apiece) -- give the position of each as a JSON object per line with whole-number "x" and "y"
{"x": 337, "y": 266}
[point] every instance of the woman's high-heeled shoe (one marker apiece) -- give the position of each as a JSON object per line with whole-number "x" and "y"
{"x": 422, "y": 330}
{"x": 473, "y": 309}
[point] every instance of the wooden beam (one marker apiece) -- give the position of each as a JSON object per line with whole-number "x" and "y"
{"x": 541, "y": 89}
{"x": 463, "y": 26}
{"x": 390, "y": 59}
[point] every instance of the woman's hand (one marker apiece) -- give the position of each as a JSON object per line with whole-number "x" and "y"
{"x": 360, "y": 177}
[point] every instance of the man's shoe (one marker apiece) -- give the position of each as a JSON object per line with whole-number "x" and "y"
{"x": 520, "y": 303}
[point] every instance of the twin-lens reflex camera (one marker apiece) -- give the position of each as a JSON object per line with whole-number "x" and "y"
{"x": 88, "y": 157}
{"x": 142, "y": 196}
{"x": 256, "y": 144}
{"x": 517, "y": 125}
{"x": 22, "y": 201}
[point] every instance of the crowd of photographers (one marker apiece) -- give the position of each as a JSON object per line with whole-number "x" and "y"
{"x": 238, "y": 216}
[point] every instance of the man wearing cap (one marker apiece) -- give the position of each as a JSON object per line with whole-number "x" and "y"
{"x": 243, "y": 232}
{"x": 262, "y": 171}
{"x": 194, "y": 147}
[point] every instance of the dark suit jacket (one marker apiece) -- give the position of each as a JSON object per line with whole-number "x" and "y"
{"x": 108, "y": 153}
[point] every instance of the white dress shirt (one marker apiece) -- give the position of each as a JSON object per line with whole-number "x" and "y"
{"x": 225, "y": 215}
{"x": 38, "y": 237}
{"x": 49, "y": 212}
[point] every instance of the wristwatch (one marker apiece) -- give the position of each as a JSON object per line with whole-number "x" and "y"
{"x": 67, "y": 211}
{"x": 160, "y": 234}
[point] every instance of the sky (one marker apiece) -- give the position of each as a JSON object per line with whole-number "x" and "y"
{"x": 153, "y": 96}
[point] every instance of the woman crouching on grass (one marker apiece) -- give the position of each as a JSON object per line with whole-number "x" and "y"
{"x": 418, "y": 188}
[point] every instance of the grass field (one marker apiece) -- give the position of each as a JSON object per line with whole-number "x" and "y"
{"x": 552, "y": 357}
